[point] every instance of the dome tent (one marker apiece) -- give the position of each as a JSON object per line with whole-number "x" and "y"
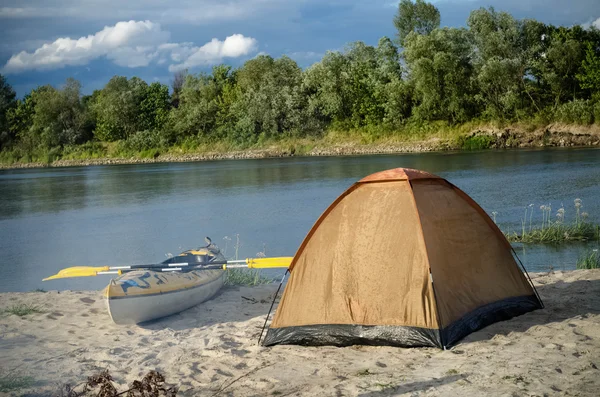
{"x": 402, "y": 258}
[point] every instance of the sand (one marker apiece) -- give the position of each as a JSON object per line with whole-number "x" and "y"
{"x": 212, "y": 349}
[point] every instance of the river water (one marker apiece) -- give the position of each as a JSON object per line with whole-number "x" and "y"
{"x": 124, "y": 214}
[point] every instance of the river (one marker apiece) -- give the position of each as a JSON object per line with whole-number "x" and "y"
{"x": 53, "y": 218}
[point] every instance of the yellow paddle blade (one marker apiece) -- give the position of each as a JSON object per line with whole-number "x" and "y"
{"x": 261, "y": 263}
{"x": 78, "y": 271}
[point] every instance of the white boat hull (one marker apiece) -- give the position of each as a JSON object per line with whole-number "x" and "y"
{"x": 142, "y": 296}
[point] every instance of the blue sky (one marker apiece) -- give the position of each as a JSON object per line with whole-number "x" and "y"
{"x": 46, "y": 41}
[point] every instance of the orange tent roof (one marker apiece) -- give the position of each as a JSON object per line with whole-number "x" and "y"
{"x": 399, "y": 174}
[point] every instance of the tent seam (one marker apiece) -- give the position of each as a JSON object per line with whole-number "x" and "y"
{"x": 435, "y": 300}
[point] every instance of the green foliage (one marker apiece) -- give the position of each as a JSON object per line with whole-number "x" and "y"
{"x": 88, "y": 150}
{"x": 589, "y": 260}
{"x": 442, "y": 74}
{"x": 117, "y": 108}
{"x": 360, "y": 87}
{"x": 500, "y": 61}
{"x": 578, "y": 111}
{"x": 154, "y": 107}
{"x": 419, "y": 17}
{"x": 269, "y": 102}
{"x": 58, "y": 117}
{"x": 145, "y": 140}
{"x": 476, "y": 142}
{"x": 589, "y": 77}
{"x": 204, "y": 105}
{"x": 7, "y": 104}
{"x": 20, "y": 119}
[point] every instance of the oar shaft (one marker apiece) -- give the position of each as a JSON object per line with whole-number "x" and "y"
{"x": 252, "y": 263}
{"x": 165, "y": 265}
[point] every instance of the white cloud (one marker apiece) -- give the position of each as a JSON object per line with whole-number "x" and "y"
{"x": 212, "y": 52}
{"x": 129, "y": 44}
{"x": 595, "y": 24}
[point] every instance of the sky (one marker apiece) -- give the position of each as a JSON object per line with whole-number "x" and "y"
{"x": 47, "y": 41}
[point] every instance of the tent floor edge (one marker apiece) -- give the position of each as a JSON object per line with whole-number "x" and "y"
{"x": 352, "y": 334}
{"x": 491, "y": 313}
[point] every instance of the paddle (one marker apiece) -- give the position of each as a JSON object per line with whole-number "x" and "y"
{"x": 252, "y": 263}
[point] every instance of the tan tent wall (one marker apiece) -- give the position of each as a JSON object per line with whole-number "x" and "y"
{"x": 365, "y": 263}
{"x": 480, "y": 269}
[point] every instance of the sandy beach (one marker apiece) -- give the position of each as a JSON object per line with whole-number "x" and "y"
{"x": 212, "y": 349}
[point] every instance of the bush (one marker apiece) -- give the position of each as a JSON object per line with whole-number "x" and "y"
{"x": 144, "y": 141}
{"x": 578, "y": 111}
{"x": 596, "y": 109}
{"x": 475, "y": 142}
{"x": 246, "y": 277}
{"x": 87, "y": 150}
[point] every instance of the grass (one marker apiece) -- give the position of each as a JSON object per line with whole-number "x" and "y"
{"x": 554, "y": 231}
{"x": 589, "y": 260}
{"x": 246, "y": 277}
{"x": 22, "y": 309}
{"x": 9, "y": 383}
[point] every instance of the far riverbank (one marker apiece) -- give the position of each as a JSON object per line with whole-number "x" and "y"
{"x": 336, "y": 144}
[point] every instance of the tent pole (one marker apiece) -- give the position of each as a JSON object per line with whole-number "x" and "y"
{"x": 272, "y": 303}
{"x": 529, "y": 278}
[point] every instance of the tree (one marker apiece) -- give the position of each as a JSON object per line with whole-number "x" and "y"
{"x": 177, "y": 85}
{"x": 419, "y": 17}
{"x": 391, "y": 92}
{"x": 589, "y": 77}
{"x": 562, "y": 61}
{"x": 326, "y": 86}
{"x": 442, "y": 74}
{"x": 198, "y": 106}
{"x": 590, "y": 70}
{"x": 505, "y": 61}
{"x": 154, "y": 107}
{"x": 117, "y": 108}
{"x": 7, "y": 103}
{"x": 269, "y": 100}
{"x": 59, "y": 117}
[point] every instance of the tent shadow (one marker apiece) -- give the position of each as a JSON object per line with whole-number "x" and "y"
{"x": 562, "y": 301}
{"x": 251, "y": 302}
{"x": 414, "y": 386}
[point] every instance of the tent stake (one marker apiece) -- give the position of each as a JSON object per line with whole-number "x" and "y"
{"x": 530, "y": 281}
{"x": 271, "y": 308}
